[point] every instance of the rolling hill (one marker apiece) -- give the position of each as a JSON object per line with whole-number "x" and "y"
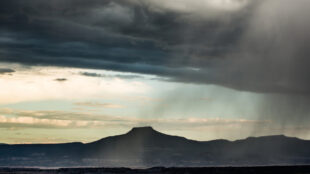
{"x": 146, "y": 147}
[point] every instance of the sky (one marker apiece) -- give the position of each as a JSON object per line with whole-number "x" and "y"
{"x": 75, "y": 70}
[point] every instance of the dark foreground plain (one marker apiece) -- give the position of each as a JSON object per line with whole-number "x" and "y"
{"x": 162, "y": 170}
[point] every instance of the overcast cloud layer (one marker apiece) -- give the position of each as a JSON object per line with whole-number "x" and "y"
{"x": 251, "y": 45}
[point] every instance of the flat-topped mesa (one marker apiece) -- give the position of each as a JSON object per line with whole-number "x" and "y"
{"x": 142, "y": 130}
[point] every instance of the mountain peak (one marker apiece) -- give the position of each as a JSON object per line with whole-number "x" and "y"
{"x": 142, "y": 129}
{"x": 146, "y": 131}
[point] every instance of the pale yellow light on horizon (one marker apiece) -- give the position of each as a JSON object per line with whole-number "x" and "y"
{"x": 42, "y": 84}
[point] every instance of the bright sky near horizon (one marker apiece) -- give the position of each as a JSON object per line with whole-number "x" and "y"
{"x": 51, "y": 104}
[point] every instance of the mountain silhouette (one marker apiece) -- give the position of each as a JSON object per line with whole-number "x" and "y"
{"x": 146, "y": 147}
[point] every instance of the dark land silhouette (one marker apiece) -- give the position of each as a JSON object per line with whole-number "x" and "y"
{"x": 145, "y": 147}
{"x": 162, "y": 170}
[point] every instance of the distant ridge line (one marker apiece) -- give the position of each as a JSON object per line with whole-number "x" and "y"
{"x": 147, "y": 147}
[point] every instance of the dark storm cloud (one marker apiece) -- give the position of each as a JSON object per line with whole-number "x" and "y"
{"x": 261, "y": 47}
{"x": 5, "y": 71}
{"x": 61, "y": 79}
{"x": 91, "y": 74}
